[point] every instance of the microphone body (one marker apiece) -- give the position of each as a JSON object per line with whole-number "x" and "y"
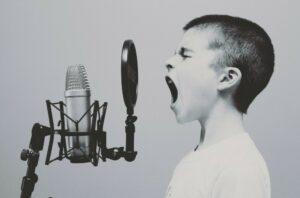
{"x": 77, "y": 97}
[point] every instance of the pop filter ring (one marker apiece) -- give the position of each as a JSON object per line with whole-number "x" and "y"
{"x": 129, "y": 75}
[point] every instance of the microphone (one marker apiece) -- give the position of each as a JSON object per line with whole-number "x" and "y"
{"x": 80, "y": 123}
{"x": 77, "y": 98}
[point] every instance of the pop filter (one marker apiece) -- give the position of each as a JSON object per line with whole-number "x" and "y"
{"x": 129, "y": 75}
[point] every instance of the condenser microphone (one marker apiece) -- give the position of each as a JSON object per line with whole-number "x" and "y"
{"x": 77, "y": 98}
{"x": 80, "y": 123}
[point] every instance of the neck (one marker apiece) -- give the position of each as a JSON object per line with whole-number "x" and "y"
{"x": 223, "y": 122}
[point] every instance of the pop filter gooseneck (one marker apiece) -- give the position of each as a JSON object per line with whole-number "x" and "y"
{"x": 129, "y": 75}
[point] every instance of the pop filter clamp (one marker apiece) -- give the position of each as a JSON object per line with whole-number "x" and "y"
{"x": 98, "y": 148}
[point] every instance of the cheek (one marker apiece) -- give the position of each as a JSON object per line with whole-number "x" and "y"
{"x": 198, "y": 88}
{"x": 196, "y": 81}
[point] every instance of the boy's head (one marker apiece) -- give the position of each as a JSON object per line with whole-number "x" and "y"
{"x": 220, "y": 57}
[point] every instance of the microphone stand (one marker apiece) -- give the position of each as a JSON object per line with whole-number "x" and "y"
{"x": 38, "y": 135}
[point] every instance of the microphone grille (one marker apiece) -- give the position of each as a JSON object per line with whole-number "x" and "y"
{"x": 77, "y": 78}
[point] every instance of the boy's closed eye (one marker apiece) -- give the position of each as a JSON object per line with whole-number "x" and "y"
{"x": 183, "y": 52}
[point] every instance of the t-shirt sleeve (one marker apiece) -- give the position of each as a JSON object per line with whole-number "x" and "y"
{"x": 246, "y": 182}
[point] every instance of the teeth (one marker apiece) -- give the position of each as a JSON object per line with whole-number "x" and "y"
{"x": 172, "y": 88}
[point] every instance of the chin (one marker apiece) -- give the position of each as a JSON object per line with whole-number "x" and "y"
{"x": 185, "y": 117}
{"x": 181, "y": 120}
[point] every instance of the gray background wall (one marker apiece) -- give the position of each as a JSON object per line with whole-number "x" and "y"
{"x": 39, "y": 39}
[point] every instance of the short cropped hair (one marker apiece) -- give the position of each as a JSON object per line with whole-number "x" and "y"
{"x": 246, "y": 46}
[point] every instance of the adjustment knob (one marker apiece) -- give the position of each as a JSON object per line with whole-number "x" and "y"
{"x": 24, "y": 154}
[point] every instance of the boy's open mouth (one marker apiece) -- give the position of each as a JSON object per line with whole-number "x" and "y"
{"x": 172, "y": 88}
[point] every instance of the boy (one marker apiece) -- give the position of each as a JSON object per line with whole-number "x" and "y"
{"x": 220, "y": 66}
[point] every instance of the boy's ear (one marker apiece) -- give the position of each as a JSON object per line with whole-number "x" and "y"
{"x": 229, "y": 78}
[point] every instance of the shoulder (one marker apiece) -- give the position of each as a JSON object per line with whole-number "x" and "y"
{"x": 246, "y": 181}
{"x": 244, "y": 175}
{"x": 244, "y": 161}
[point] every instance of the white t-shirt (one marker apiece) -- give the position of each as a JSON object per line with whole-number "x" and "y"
{"x": 231, "y": 168}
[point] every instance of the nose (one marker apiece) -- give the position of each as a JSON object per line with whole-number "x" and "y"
{"x": 169, "y": 67}
{"x": 171, "y": 63}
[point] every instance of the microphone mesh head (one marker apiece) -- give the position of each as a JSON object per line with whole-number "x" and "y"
{"x": 77, "y": 78}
